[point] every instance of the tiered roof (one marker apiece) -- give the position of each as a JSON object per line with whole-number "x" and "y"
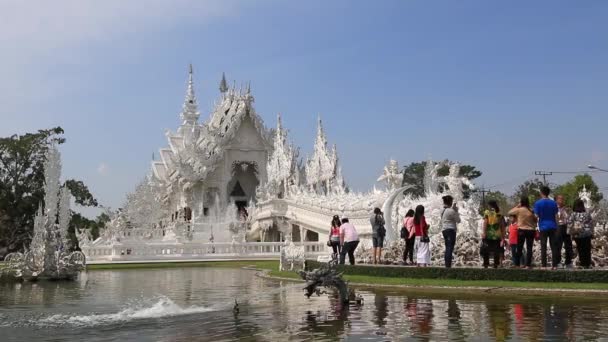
{"x": 196, "y": 149}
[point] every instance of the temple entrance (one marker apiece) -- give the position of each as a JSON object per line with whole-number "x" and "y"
{"x": 241, "y": 188}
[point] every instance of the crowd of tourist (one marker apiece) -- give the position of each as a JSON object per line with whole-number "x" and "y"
{"x": 548, "y": 221}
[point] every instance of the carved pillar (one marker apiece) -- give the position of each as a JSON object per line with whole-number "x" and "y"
{"x": 302, "y": 234}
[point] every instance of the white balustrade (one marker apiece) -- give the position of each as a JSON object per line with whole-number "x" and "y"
{"x": 194, "y": 251}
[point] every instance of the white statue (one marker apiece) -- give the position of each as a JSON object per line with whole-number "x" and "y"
{"x": 455, "y": 182}
{"x": 585, "y": 196}
{"x": 391, "y": 175}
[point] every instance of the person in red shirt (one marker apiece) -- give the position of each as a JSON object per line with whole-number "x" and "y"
{"x": 513, "y": 239}
{"x": 421, "y": 229}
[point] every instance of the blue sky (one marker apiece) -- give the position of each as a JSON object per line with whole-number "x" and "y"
{"x": 510, "y": 87}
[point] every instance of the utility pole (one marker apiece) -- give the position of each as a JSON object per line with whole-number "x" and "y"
{"x": 483, "y": 192}
{"x": 544, "y": 174}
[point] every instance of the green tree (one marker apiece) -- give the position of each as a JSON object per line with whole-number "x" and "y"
{"x": 22, "y": 185}
{"x": 413, "y": 175}
{"x": 571, "y": 189}
{"x": 530, "y": 189}
{"x": 504, "y": 203}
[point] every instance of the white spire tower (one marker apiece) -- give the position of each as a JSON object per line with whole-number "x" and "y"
{"x": 223, "y": 84}
{"x": 190, "y": 113}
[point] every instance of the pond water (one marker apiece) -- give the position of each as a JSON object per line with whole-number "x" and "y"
{"x": 195, "y": 304}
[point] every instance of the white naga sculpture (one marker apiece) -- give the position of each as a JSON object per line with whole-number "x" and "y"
{"x": 391, "y": 175}
{"x": 49, "y": 256}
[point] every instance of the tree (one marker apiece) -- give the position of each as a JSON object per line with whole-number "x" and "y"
{"x": 503, "y": 200}
{"x": 530, "y": 189}
{"x": 413, "y": 175}
{"x": 571, "y": 189}
{"x": 22, "y": 184}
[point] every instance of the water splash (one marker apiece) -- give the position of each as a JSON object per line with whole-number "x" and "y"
{"x": 164, "y": 307}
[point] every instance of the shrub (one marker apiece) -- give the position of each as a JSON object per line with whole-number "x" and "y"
{"x": 504, "y": 274}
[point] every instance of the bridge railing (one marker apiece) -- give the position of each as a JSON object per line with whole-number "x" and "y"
{"x": 193, "y": 251}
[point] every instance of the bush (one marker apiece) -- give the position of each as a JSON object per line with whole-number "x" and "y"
{"x": 504, "y": 274}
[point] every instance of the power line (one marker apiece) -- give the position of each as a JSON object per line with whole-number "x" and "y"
{"x": 544, "y": 174}
{"x": 483, "y": 190}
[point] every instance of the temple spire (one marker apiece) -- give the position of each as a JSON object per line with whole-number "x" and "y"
{"x": 223, "y": 84}
{"x": 190, "y": 113}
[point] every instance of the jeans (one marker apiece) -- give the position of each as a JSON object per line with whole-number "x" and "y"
{"x": 514, "y": 256}
{"x": 583, "y": 247}
{"x": 348, "y": 248}
{"x": 554, "y": 238}
{"x": 527, "y": 236}
{"x": 566, "y": 241}
{"x": 449, "y": 237}
{"x": 408, "y": 252}
{"x": 494, "y": 249}
{"x": 335, "y": 246}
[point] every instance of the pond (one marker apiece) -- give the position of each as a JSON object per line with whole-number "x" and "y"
{"x": 196, "y": 304}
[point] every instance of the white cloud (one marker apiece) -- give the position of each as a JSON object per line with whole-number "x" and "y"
{"x": 38, "y": 36}
{"x": 103, "y": 169}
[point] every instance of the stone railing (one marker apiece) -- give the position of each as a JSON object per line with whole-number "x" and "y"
{"x": 194, "y": 251}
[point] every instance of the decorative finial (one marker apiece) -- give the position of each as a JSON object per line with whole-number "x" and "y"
{"x": 223, "y": 84}
{"x": 190, "y": 112}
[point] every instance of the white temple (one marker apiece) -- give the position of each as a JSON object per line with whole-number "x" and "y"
{"x": 232, "y": 185}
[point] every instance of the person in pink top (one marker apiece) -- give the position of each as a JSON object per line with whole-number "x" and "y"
{"x": 334, "y": 235}
{"x": 409, "y": 235}
{"x": 513, "y": 240}
{"x": 349, "y": 239}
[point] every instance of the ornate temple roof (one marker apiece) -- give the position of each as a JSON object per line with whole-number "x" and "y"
{"x": 196, "y": 148}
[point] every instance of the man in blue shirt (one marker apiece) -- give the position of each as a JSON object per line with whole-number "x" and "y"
{"x": 546, "y": 210}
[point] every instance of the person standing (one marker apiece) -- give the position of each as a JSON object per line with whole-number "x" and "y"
{"x": 546, "y": 210}
{"x": 409, "y": 236}
{"x": 526, "y": 230}
{"x": 449, "y": 222}
{"x": 513, "y": 240}
{"x": 421, "y": 228}
{"x": 562, "y": 225}
{"x": 334, "y": 235}
{"x": 580, "y": 227}
{"x": 378, "y": 233}
{"x": 493, "y": 233}
{"x": 349, "y": 239}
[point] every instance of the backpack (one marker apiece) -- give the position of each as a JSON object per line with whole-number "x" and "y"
{"x": 381, "y": 229}
{"x": 404, "y": 233}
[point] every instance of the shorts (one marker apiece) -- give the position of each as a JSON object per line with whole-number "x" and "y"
{"x": 378, "y": 242}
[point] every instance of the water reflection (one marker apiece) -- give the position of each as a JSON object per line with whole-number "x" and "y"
{"x": 196, "y": 304}
{"x": 499, "y": 320}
